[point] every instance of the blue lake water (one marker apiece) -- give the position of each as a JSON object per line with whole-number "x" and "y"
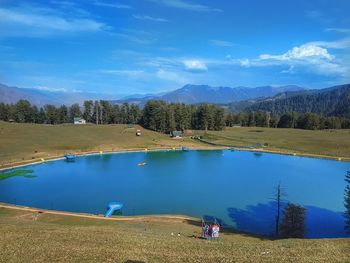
{"x": 235, "y": 187}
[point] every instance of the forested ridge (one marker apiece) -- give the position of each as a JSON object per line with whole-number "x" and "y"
{"x": 333, "y": 101}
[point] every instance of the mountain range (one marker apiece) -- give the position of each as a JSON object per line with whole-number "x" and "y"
{"x": 193, "y": 94}
{"x": 41, "y": 97}
{"x": 189, "y": 94}
{"x": 333, "y": 101}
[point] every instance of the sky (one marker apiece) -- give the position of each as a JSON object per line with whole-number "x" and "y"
{"x": 122, "y": 47}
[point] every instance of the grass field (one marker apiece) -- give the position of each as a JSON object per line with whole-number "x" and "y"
{"x": 323, "y": 142}
{"x": 26, "y": 142}
{"x": 33, "y": 237}
{"x": 30, "y": 142}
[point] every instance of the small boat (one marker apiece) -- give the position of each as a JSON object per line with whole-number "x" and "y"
{"x": 69, "y": 157}
{"x": 185, "y": 149}
{"x": 141, "y": 164}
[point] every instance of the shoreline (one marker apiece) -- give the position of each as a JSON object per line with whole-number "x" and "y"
{"x": 142, "y": 218}
{"x": 160, "y": 217}
{"x": 14, "y": 165}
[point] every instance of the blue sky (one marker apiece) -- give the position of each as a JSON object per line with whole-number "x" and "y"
{"x": 149, "y": 46}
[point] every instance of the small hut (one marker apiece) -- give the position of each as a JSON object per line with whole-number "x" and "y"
{"x": 176, "y": 134}
{"x": 138, "y": 132}
{"x": 78, "y": 120}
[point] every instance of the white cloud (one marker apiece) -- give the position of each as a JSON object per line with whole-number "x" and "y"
{"x": 112, "y": 5}
{"x": 338, "y": 30}
{"x": 136, "y": 36}
{"x": 195, "y": 65}
{"x": 244, "y": 62}
{"x": 56, "y": 89}
{"x": 29, "y": 21}
{"x": 180, "y": 4}
{"x": 50, "y": 89}
{"x": 302, "y": 52}
{"x": 150, "y": 18}
{"x": 136, "y": 39}
{"x": 305, "y": 58}
{"x": 128, "y": 73}
{"x": 337, "y": 44}
{"x": 221, "y": 43}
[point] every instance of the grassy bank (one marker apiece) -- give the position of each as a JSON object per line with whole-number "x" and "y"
{"x": 30, "y": 237}
{"x": 26, "y": 142}
{"x": 323, "y": 142}
{"x": 30, "y": 142}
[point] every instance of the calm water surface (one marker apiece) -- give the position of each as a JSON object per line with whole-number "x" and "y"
{"x": 235, "y": 187}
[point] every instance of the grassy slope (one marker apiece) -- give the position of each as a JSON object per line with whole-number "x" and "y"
{"x": 25, "y": 142}
{"x": 326, "y": 142}
{"x": 28, "y": 237}
{"x": 20, "y": 142}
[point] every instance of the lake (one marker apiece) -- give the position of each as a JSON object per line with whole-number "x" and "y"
{"x": 236, "y": 187}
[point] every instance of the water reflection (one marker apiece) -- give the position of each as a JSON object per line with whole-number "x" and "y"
{"x": 260, "y": 219}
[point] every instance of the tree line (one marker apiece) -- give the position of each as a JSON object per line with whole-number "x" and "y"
{"x": 156, "y": 115}
{"x": 164, "y": 117}
{"x": 308, "y": 121}
{"x": 100, "y": 112}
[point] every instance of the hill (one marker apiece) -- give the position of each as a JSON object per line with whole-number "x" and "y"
{"x": 41, "y": 97}
{"x": 334, "y": 101}
{"x": 194, "y": 94}
{"x": 29, "y": 142}
{"x": 24, "y": 142}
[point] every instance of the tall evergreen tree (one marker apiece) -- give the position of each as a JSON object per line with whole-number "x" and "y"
{"x": 51, "y": 114}
{"x": 88, "y": 110}
{"x": 96, "y": 115}
{"x": 347, "y": 203}
{"x": 278, "y": 198}
{"x": 23, "y": 111}
{"x": 293, "y": 222}
{"x": 74, "y": 111}
{"x": 63, "y": 114}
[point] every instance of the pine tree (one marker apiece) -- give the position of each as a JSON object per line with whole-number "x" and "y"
{"x": 51, "y": 114}
{"x": 88, "y": 110}
{"x": 74, "y": 111}
{"x": 63, "y": 114}
{"x": 347, "y": 203}
{"x": 293, "y": 222}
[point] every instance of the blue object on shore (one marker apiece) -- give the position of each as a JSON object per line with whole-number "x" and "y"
{"x": 69, "y": 157}
{"x": 112, "y": 208}
{"x": 185, "y": 149}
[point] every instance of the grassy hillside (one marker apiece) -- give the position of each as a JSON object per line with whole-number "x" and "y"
{"x": 323, "y": 142}
{"x": 29, "y": 237}
{"x": 30, "y": 142}
{"x": 24, "y": 142}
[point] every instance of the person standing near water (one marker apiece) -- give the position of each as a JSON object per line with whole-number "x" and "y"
{"x": 215, "y": 231}
{"x": 205, "y": 231}
{"x": 210, "y": 232}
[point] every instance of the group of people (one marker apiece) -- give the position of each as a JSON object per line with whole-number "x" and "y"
{"x": 211, "y": 231}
